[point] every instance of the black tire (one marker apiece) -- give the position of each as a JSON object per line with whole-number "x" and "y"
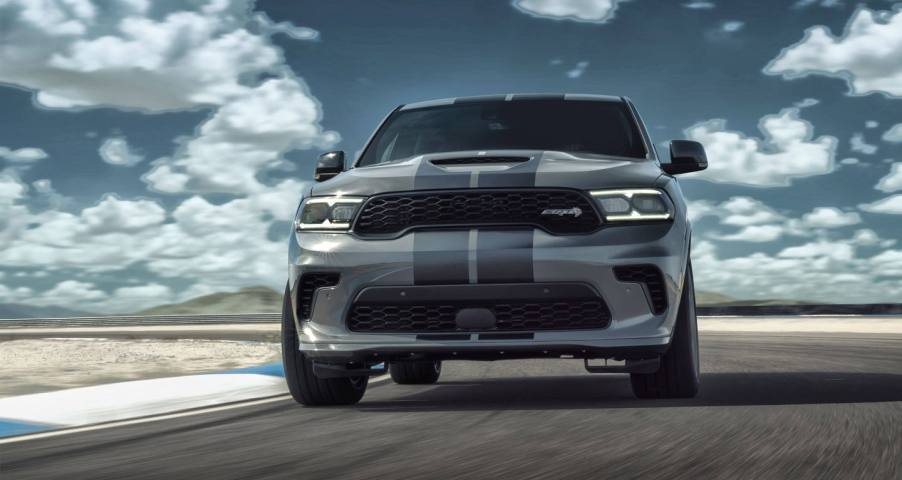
{"x": 416, "y": 373}
{"x": 304, "y": 386}
{"x": 678, "y": 376}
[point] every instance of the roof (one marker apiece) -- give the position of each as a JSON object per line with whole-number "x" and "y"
{"x": 512, "y": 97}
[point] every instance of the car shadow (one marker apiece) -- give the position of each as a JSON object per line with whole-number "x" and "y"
{"x": 595, "y": 392}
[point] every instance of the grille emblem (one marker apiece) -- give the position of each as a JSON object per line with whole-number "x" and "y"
{"x": 575, "y": 211}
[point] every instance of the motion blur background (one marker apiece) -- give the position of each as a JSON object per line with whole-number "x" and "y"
{"x": 154, "y": 152}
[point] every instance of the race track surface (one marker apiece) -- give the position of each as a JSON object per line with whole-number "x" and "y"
{"x": 771, "y": 406}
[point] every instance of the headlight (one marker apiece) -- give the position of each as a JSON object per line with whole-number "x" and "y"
{"x": 327, "y": 213}
{"x": 633, "y": 204}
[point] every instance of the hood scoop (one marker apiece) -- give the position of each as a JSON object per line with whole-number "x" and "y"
{"x": 472, "y": 164}
{"x": 450, "y": 162}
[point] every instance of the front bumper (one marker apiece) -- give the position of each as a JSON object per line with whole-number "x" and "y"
{"x": 635, "y": 330}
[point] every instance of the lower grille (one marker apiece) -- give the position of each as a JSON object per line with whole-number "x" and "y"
{"x": 510, "y": 316}
{"x": 308, "y": 286}
{"x": 651, "y": 276}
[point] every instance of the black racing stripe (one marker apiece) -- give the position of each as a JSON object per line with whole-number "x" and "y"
{"x": 504, "y": 256}
{"x": 430, "y": 177}
{"x": 440, "y": 257}
{"x": 522, "y": 175}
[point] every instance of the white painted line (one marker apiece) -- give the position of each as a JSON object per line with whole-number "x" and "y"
{"x": 375, "y": 381}
{"x": 148, "y": 419}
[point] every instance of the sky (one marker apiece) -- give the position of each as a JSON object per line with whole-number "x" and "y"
{"x": 151, "y": 152}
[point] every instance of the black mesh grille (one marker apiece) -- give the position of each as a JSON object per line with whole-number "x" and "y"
{"x": 557, "y": 211}
{"x": 510, "y": 316}
{"x": 308, "y": 285}
{"x": 651, "y": 277}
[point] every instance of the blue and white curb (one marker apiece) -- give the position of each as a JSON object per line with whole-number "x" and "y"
{"x": 74, "y": 407}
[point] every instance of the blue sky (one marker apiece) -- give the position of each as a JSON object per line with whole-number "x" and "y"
{"x": 154, "y": 151}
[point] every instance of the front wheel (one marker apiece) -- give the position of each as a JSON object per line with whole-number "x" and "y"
{"x": 303, "y": 384}
{"x": 422, "y": 372}
{"x": 678, "y": 376}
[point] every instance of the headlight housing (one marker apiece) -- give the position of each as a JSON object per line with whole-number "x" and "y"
{"x": 327, "y": 213}
{"x": 633, "y": 204}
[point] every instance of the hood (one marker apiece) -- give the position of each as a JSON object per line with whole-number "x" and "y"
{"x": 494, "y": 169}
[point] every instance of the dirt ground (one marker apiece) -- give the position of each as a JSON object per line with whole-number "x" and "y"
{"x": 41, "y": 365}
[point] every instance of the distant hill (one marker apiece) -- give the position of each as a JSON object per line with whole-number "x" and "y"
{"x": 246, "y": 300}
{"x": 17, "y": 310}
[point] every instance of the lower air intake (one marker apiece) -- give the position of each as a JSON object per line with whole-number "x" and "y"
{"x": 307, "y": 287}
{"x": 510, "y": 316}
{"x": 649, "y": 275}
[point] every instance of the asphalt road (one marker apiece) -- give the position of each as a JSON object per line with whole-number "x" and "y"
{"x": 771, "y": 406}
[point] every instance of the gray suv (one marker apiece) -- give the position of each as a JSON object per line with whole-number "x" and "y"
{"x": 488, "y": 228}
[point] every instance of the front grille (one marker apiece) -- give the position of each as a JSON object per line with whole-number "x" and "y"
{"x": 565, "y": 211}
{"x": 510, "y": 316}
{"x": 651, "y": 276}
{"x": 307, "y": 287}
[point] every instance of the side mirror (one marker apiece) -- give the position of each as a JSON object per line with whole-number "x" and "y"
{"x": 329, "y": 165}
{"x": 685, "y": 156}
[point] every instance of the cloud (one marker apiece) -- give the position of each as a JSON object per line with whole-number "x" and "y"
{"x": 594, "y": 11}
{"x": 755, "y": 233}
{"x": 817, "y": 3}
{"x": 894, "y": 134}
{"x": 699, "y": 5}
{"x": 253, "y": 132}
{"x": 787, "y": 151}
{"x": 849, "y": 161}
{"x": 806, "y": 102}
{"x": 871, "y": 124}
{"x": 869, "y": 238}
{"x": 22, "y": 155}
{"x": 892, "y": 182}
{"x": 829, "y": 217}
{"x": 866, "y": 55}
{"x": 175, "y": 56}
{"x": 857, "y": 144}
{"x": 116, "y": 151}
{"x": 816, "y": 271}
{"x": 288, "y": 28}
{"x": 891, "y": 204}
{"x": 578, "y": 70}
{"x": 731, "y": 26}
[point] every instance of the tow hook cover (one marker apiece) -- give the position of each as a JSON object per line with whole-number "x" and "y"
{"x": 475, "y": 319}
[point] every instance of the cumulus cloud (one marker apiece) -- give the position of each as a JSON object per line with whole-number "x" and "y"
{"x": 755, "y": 233}
{"x": 787, "y": 151}
{"x": 22, "y": 155}
{"x": 117, "y": 151}
{"x": 871, "y": 124}
{"x": 183, "y": 55}
{"x": 891, "y": 204}
{"x": 866, "y": 55}
{"x": 253, "y": 132}
{"x": 829, "y": 217}
{"x": 858, "y": 144}
{"x": 892, "y": 182}
{"x": 894, "y": 134}
{"x": 817, "y": 271}
{"x": 594, "y": 11}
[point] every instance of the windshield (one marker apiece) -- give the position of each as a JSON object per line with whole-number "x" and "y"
{"x": 599, "y": 127}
